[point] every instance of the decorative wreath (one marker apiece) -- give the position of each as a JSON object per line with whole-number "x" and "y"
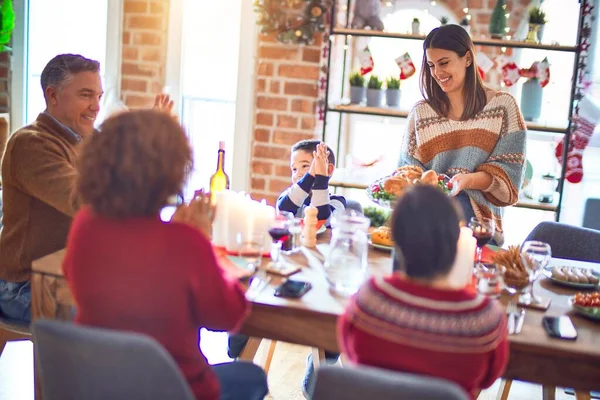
{"x": 280, "y": 17}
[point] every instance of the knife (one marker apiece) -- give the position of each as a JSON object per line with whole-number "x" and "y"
{"x": 511, "y": 323}
{"x": 520, "y": 319}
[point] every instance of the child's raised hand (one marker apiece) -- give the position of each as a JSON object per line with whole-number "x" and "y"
{"x": 321, "y": 159}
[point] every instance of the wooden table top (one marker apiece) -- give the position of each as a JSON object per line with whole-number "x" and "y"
{"x": 311, "y": 320}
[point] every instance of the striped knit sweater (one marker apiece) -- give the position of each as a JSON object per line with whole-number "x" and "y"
{"x": 493, "y": 141}
{"x": 397, "y": 324}
{"x": 311, "y": 190}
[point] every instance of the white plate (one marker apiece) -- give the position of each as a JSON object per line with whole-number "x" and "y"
{"x": 548, "y": 273}
{"x": 380, "y": 246}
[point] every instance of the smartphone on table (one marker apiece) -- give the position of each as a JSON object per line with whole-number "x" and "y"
{"x": 560, "y": 327}
{"x": 292, "y": 289}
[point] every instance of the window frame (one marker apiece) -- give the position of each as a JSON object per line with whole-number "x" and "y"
{"x": 19, "y": 61}
{"x": 245, "y": 107}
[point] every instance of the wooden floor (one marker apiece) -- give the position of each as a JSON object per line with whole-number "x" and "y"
{"x": 285, "y": 376}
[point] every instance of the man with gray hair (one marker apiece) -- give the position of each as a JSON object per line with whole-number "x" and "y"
{"x": 38, "y": 174}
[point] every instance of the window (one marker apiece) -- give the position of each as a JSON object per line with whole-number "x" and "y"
{"x": 209, "y": 67}
{"x": 62, "y": 26}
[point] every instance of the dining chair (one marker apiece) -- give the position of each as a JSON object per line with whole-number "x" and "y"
{"x": 568, "y": 241}
{"x": 363, "y": 382}
{"x": 11, "y": 331}
{"x": 78, "y": 362}
{"x": 354, "y": 205}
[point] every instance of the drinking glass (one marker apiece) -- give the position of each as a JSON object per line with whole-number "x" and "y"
{"x": 490, "y": 279}
{"x": 250, "y": 248}
{"x": 483, "y": 230}
{"x": 535, "y": 255}
{"x": 280, "y": 233}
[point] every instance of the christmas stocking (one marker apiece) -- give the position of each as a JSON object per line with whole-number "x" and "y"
{"x": 366, "y": 61}
{"x": 407, "y": 67}
{"x": 582, "y": 129}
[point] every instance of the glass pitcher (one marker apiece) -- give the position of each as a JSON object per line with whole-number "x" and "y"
{"x": 346, "y": 264}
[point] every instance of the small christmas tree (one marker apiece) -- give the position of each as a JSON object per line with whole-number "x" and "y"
{"x": 498, "y": 20}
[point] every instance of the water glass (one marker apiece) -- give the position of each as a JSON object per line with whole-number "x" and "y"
{"x": 490, "y": 279}
{"x": 250, "y": 248}
{"x": 535, "y": 256}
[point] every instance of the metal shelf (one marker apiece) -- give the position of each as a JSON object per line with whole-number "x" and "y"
{"x": 481, "y": 42}
{"x": 523, "y": 201}
{"x": 395, "y": 113}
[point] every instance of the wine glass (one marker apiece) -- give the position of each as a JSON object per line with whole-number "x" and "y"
{"x": 535, "y": 255}
{"x": 483, "y": 231}
{"x": 279, "y": 233}
{"x": 250, "y": 248}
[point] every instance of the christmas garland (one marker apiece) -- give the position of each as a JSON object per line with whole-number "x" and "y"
{"x": 7, "y": 24}
{"x": 277, "y": 17}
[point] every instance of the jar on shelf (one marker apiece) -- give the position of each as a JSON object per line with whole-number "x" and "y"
{"x": 531, "y": 99}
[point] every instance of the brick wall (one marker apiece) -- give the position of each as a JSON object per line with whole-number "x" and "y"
{"x": 4, "y": 82}
{"x": 286, "y": 95}
{"x": 145, "y": 28}
{"x": 286, "y": 98}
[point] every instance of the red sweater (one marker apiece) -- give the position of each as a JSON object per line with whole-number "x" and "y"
{"x": 160, "y": 279}
{"x": 396, "y": 324}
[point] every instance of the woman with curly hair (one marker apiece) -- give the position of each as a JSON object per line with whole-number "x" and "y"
{"x": 130, "y": 271}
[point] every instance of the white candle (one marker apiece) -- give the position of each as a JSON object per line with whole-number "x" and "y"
{"x": 462, "y": 269}
{"x": 221, "y": 221}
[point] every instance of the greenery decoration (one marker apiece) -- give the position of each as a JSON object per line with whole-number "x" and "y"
{"x": 537, "y": 16}
{"x": 281, "y": 17}
{"x": 392, "y": 83}
{"x": 498, "y": 19}
{"x": 374, "y": 82}
{"x": 356, "y": 79}
{"x": 7, "y": 24}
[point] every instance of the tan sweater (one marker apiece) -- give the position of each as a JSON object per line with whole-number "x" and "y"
{"x": 38, "y": 176}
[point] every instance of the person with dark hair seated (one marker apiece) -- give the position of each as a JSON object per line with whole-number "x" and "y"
{"x": 130, "y": 271}
{"x": 419, "y": 319}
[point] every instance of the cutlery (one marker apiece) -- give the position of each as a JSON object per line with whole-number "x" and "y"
{"x": 511, "y": 310}
{"x": 520, "y": 319}
{"x": 257, "y": 284}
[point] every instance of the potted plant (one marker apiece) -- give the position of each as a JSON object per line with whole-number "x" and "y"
{"x": 416, "y": 26}
{"x": 392, "y": 93}
{"x": 498, "y": 20}
{"x": 374, "y": 92}
{"x": 537, "y": 20}
{"x": 357, "y": 88}
{"x": 465, "y": 24}
{"x": 444, "y": 20}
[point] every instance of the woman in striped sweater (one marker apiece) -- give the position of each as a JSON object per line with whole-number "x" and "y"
{"x": 419, "y": 320}
{"x": 464, "y": 130}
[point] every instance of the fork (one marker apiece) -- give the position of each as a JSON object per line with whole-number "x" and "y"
{"x": 258, "y": 283}
{"x": 511, "y": 310}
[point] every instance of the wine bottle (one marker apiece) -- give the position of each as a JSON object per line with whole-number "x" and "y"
{"x": 220, "y": 181}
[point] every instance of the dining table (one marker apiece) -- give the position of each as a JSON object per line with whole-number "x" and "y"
{"x": 311, "y": 320}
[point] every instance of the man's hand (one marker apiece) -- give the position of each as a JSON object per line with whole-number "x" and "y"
{"x": 321, "y": 160}
{"x": 163, "y": 102}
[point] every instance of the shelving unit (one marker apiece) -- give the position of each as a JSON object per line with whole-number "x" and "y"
{"x": 337, "y": 107}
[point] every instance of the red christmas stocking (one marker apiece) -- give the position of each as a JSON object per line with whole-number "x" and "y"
{"x": 579, "y": 140}
{"x": 407, "y": 67}
{"x": 366, "y": 61}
